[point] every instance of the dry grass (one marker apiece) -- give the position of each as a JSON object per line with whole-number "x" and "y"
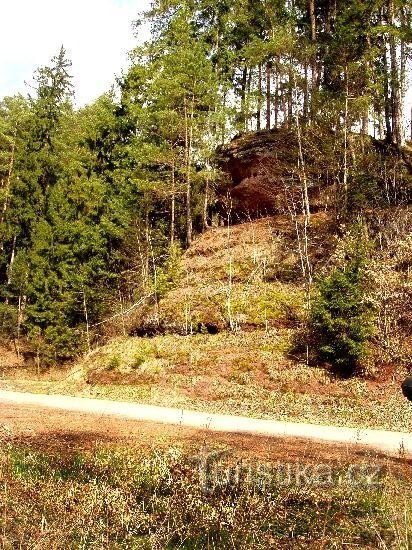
{"x": 247, "y": 275}
{"x": 244, "y": 276}
{"x": 190, "y": 308}
{"x": 167, "y": 499}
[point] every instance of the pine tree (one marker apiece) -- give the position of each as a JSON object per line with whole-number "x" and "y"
{"x": 172, "y": 100}
{"x": 341, "y": 318}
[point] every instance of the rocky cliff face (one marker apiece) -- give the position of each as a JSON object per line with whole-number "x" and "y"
{"x": 262, "y": 169}
{"x": 264, "y": 174}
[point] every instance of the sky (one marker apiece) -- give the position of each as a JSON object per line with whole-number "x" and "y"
{"x": 97, "y": 34}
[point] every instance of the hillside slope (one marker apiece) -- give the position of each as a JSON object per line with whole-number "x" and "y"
{"x": 222, "y": 339}
{"x": 241, "y": 277}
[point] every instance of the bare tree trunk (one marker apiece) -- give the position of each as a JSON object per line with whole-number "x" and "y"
{"x": 365, "y": 124}
{"x": 144, "y": 265}
{"x": 86, "y": 317}
{"x": 248, "y": 116}
{"x": 397, "y": 136}
{"x": 306, "y": 93}
{"x": 122, "y": 312}
{"x": 147, "y": 259}
{"x": 291, "y": 87}
{"x": 268, "y": 94}
{"x": 381, "y": 131}
{"x": 387, "y": 100}
{"x": 188, "y": 148}
{"x": 311, "y": 7}
{"x": 345, "y": 149}
{"x": 365, "y": 115}
{"x": 173, "y": 206}
{"x": 276, "y": 98}
{"x": 403, "y": 68}
{"x": 304, "y": 244}
{"x": 303, "y": 250}
{"x": 20, "y": 312}
{"x": 243, "y": 97}
{"x": 189, "y": 178}
{"x": 206, "y": 204}
{"x": 38, "y": 359}
{"x": 8, "y": 179}
{"x": 223, "y": 125}
{"x": 155, "y": 278}
{"x": 7, "y": 198}
{"x": 12, "y": 257}
{"x": 312, "y": 19}
{"x": 259, "y": 109}
{"x": 230, "y": 279}
{"x": 303, "y": 174}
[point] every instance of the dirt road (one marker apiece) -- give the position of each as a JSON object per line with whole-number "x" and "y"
{"x": 390, "y": 443}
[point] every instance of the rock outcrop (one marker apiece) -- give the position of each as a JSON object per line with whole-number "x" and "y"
{"x": 264, "y": 174}
{"x": 262, "y": 170}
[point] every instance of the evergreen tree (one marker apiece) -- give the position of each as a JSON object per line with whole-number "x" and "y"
{"x": 171, "y": 94}
{"x": 341, "y": 318}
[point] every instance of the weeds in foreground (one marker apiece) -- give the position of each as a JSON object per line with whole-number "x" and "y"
{"x": 115, "y": 499}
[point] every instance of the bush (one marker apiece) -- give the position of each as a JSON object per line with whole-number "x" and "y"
{"x": 168, "y": 276}
{"x": 114, "y": 363}
{"x": 341, "y": 317}
{"x": 364, "y": 192}
{"x": 170, "y": 499}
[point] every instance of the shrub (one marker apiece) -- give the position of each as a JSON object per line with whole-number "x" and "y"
{"x": 8, "y": 320}
{"x": 168, "y": 276}
{"x": 363, "y": 192}
{"x": 114, "y": 363}
{"x": 341, "y": 317}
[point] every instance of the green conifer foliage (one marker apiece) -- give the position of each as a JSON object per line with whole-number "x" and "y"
{"x": 341, "y": 317}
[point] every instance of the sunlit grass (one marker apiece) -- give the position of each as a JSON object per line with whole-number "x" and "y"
{"x": 118, "y": 498}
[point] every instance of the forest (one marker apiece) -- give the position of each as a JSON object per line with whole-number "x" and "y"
{"x": 97, "y": 203}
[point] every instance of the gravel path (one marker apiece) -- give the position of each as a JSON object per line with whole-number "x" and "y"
{"x": 391, "y": 443}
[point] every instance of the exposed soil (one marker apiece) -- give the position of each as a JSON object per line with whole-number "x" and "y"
{"x": 9, "y": 358}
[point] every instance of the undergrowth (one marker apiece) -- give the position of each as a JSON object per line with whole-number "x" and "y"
{"x": 113, "y": 498}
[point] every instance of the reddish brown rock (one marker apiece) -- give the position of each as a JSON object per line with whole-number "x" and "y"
{"x": 263, "y": 170}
